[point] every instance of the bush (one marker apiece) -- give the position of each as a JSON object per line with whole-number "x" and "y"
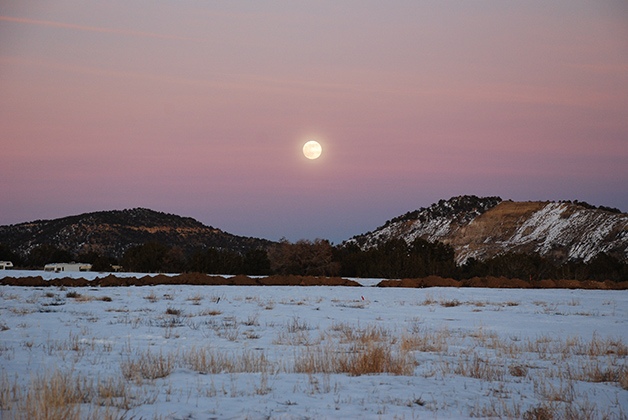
{"x": 310, "y": 258}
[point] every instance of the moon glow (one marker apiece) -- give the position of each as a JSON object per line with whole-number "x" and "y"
{"x": 312, "y": 149}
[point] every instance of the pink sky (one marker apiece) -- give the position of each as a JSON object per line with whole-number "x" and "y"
{"x": 201, "y": 108}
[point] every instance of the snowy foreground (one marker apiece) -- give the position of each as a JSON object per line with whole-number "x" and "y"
{"x": 205, "y": 352}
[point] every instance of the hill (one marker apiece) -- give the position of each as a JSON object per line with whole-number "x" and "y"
{"x": 481, "y": 228}
{"x": 111, "y": 233}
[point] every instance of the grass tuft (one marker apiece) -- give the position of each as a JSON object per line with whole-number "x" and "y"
{"x": 146, "y": 365}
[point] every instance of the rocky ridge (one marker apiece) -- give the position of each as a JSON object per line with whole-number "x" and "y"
{"x": 481, "y": 228}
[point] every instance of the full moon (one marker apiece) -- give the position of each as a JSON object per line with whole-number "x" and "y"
{"x": 312, "y": 149}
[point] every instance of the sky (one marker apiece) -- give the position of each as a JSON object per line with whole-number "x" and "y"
{"x": 201, "y": 108}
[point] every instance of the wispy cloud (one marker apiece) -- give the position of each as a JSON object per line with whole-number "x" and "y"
{"x": 99, "y": 29}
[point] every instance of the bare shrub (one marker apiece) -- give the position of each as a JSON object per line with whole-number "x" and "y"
{"x": 450, "y": 303}
{"x": 173, "y": 311}
{"x": 518, "y": 371}
{"x": 228, "y": 328}
{"x": 196, "y": 299}
{"x": 297, "y": 324}
{"x": 251, "y": 320}
{"x": 151, "y": 297}
{"x": 429, "y": 300}
{"x": 210, "y": 312}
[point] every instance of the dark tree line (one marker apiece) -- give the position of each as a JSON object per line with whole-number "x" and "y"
{"x": 397, "y": 259}
{"x": 213, "y": 261}
{"x": 155, "y": 257}
{"x": 393, "y": 259}
{"x": 534, "y": 267}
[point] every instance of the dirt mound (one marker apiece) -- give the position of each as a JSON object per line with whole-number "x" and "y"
{"x": 502, "y": 283}
{"x": 497, "y": 282}
{"x": 431, "y": 281}
{"x": 435, "y": 281}
{"x": 25, "y": 281}
{"x": 198, "y": 279}
{"x": 546, "y": 284}
{"x": 622, "y": 285}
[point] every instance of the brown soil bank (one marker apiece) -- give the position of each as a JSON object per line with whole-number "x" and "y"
{"x": 197, "y": 279}
{"x": 503, "y": 282}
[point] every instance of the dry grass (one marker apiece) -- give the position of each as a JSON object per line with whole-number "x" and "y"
{"x": 518, "y": 371}
{"x": 298, "y": 338}
{"x": 81, "y": 298}
{"x": 57, "y": 395}
{"x": 450, "y": 303}
{"x": 622, "y": 377}
{"x": 174, "y": 311}
{"x": 22, "y": 310}
{"x": 594, "y": 371}
{"x": 480, "y": 368}
{"x": 297, "y": 324}
{"x": 357, "y": 351}
{"x": 425, "y": 340}
{"x": 146, "y": 365}
{"x": 361, "y": 335}
{"x": 373, "y": 358}
{"x": 204, "y": 360}
{"x": 555, "y": 368}
{"x": 540, "y": 412}
{"x": 209, "y": 312}
{"x": 209, "y": 361}
{"x": 151, "y": 297}
{"x": 195, "y": 299}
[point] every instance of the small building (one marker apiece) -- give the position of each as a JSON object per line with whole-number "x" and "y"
{"x": 5, "y": 265}
{"x": 59, "y": 267}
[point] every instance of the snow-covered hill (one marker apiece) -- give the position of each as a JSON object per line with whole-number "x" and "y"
{"x": 483, "y": 227}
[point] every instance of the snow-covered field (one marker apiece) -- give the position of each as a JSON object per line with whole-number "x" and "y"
{"x": 205, "y": 352}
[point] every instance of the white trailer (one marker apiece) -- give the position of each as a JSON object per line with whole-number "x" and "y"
{"x": 59, "y": 267}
